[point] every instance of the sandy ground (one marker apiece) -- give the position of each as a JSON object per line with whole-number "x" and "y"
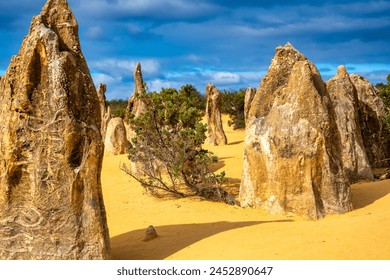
{"x": 197, "y": 229}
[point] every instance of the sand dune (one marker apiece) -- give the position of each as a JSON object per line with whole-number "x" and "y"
{"x": 192, "y": 228}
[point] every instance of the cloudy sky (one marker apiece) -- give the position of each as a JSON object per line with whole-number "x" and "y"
{"x": 227, "y": 42}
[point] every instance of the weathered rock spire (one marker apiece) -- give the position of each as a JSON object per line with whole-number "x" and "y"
{"x": 105, "y": 111}
{"x": 215, "y": 132}
{"x": 51, "y": 204}
{"x": 292, "y": 148}
{"x": 249, "y": 95}
{"x": 345, "y": 103}
{"x": 372, "y": 112}
{"x": 136, "y": 106}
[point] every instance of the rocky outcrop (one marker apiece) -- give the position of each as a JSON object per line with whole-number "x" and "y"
{"x": 105, "y": 111}
{"x": 249, "y": 95}
{"x": 51, "y": 204}
{"x": 116, "y": 141}
{"x": 215, "y": 133}
{"x": 292, "y": 150}
{"x": 372, "y": 111}
{"x": 345, "y": 102}
{"x": 136, "y": 106}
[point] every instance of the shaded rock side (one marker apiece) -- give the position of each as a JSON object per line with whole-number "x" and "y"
{"x": 215, "y": 133}
{"x": 372, "y": 111}
{"x": 105, "y": 111}
{"x": 116, "y": 141}
{"x": 51, "y": 204}
{"x": 345, "y": 103}
{"x": 292, "y": 148}
{"x": 249, "y": 95}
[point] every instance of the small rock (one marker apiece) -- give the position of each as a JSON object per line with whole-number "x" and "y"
{"x": 150, "y": 234}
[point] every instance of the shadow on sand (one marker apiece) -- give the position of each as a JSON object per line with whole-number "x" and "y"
{"x": 364, "y": 194}
{"x": 236, "y": 142}
{"x": 218, "y": 165}
{"x": 172, "y": 238}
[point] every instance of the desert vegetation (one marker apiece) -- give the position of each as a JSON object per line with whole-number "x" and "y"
{"x": 232, "y": 104}
{"x": 167, "y": 147}
{"x": 385, "y": 95}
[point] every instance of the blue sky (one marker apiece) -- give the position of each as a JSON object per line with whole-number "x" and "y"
{"x": 229, "y": 43}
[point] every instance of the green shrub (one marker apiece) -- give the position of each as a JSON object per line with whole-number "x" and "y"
{"x": 232, "y": 103}
{"x": 167, "y": 148}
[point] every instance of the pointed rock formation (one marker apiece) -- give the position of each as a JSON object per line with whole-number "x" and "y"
{"x": 116, "y": 141}
{"x": 105, "y": 111}
{"x": 292, "y": 148}
{"x": 136, "y": 107}
{"x": 51, "y": 204}
{"x": 345, "y": 102}
{"x": 249, "y": 95}
{"x": 215, "y": 133}
{"x": 372, "y": 111}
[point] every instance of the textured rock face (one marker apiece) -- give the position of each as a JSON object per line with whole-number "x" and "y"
{"x": 292, "y": 149}
{"x": 249, "y": 95}
{"x": 51, "y": 204}
{"x": 135, "y": 107}
{"x": 116, "y": 141}
{"x": 376, "y": 137}
{"x": 345, "y": 102}
{"x": 105, "y": 112}
{"x": 215, "y": 133}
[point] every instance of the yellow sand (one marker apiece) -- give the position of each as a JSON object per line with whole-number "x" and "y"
{"x": 198, "y": 229}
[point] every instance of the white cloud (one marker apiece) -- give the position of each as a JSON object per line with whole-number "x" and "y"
{"x": 94, "y": 32}
{"x": 125, "y": 67}
{"x": 100, "y": 78}
{"x": 134, "y": 28}
{"x": 157, "y": 84}
{"x": 178, "y": 9}
{"x": 222, "y": 78}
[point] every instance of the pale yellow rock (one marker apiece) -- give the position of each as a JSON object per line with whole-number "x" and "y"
{"x": 249, "y": 95}
{"x": 116, "y": 141}
{"x": 105, "y": 111}
{"x": 51, "y": 150}
{"x": 215, "y": 133}
{"x": 345, "y": 103}
{"x": 292, "y": 154}
{"x": 372, "y": 111}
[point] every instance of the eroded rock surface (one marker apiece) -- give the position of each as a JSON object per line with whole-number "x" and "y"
{"x": 136, "y": 106}
{"x": 105, "y": 111}
{"x": 116, "y": 141}
{"x": 51, "y": 149}
{"x": 215, "y": 133}
{"x": 292, "y": 154}
{"x": 345, "y": 102}
{"x": 372, "y": 111}
{"x": 249, "y": 95}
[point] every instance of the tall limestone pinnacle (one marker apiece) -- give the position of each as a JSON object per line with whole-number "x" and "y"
{"x": 136, "y": 106}
{"x": 292, "y": 148}
{"x": 345, "y": 102}
{"x": 51, "y": 149}
{"x": 215, "y": 133}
